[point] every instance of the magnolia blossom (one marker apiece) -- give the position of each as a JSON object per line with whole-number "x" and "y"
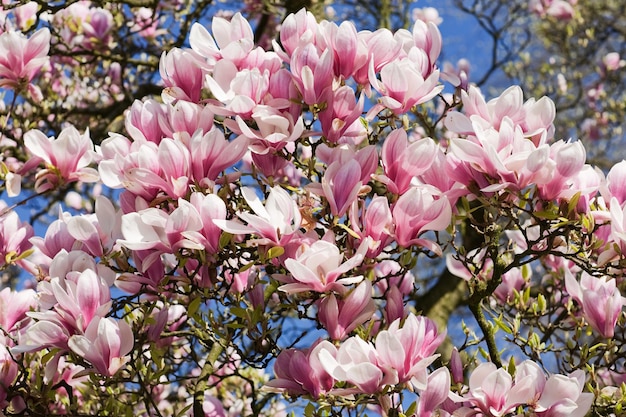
{"x": 375, "y": 222}
{"x": 105, "y": 344}
{"x": 494, "y": 392}
{"x": 406, "y": 352}
{"x": 21, "y": 59}
{"x": 274, "y": 222}
{"x": 67, "y": 157}
{"x": 301, "y": 372}
{"x": 402, "y": 85}
{"x": 436, "y": 392}
{"x": 354, "y": 362}
{"x": 340, "y": 317}
{"x": 312, "y": 72}
{"x": 416, "y": 211}
{"x": 340, "y": 120}
{"x": 232, "y": 40}
{"x": 319, "y": 267}
{"x": 600, "y": 299}
{"x": 79, "y": 298}
{"x": 13, "y": 307}
{"x": 181, "y": 72}
{"x": 403, "y": 160}
{"x": 277, "y": 130}
{"x": 534, "y": 117}
{"x": 8, "y": 372}
{"x": 14, "y": 237}
{"x": 399, "y": 355}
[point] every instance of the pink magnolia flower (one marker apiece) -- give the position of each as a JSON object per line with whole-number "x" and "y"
{"x": 48, "y": 332}
{"x": 182, "y": 74}
{"x": 237, "y": 91}
{"x": 562, "y": 396}
{"x": 318, "y": 267}
{"x": 213, "y": 153}
{"x": 612, "y": 61}
{"x": 75, "y": 261}
{"x": 426, "y": 37}
{"x": 189, "y": 226}
{"x": 427, "y": 14}
{"x": 274, "y": 222}
{"x": 67, "y": 157}
{"x": 559, "y": 9}
{"x": 367, "y": 158}
{"x": 14, "y": 237}
{"x": 145, "y": 168}
{"x": 26, "y": 15}
{"x": 340, "y": 317}
{"x": 212, "y": 407}
{"x": 436, "y": 392}
{"x": 232, "y": 40}
{"x": 143, "y": 121}
{"x": 300, "y": 372}
{"x": 269, "y": 164}
{"x": 145, "y": 23}
{"x": 312, "y": 72}
{"x": 97, "y": 29}
{"x": 439, "y": 177}
{"x": 617, "y": 232}
{"x": 492, "y": 392}
{"x": 22, "y": 58}
{"x": 600, "y": 299}
{"x": 406, "y": 82}
{"x": 615, "y": 184}
{"x": 406, "y": 352}
{"x": 344, "y": 42}
{"x": 209, "y": 208}
{"x": 98, "y": 232}
{"x": 297, "y": 29}
{"x": 416, "y": 211}
{"x": 185, "y": 116}
{"x": 569, "y": 160}
{"x": 13, "y": 307}
{"x": 80, "y": 298}
{"x": 375, "y": 222}
{"x": 146, "y": 230}
{"x": 382, "y": 48}
{"x": 534, "y": 117}
{"x": 354, "y": 362}
{"x": 8, "y": 372}
{"x": 340, "y": 120}
{"x": 105, "y": 344}
{"x": 341, "y": 185}
{"x": 403, "y": 160}
{"x": 276, "y": 130}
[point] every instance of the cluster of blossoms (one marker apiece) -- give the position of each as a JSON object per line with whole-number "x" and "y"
{"x": 260, "y": 186}
{"x": 558, "y": 9}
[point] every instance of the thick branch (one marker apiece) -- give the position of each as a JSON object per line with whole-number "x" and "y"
{"x": 203, "y": 379}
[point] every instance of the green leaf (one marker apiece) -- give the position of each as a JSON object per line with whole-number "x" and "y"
{"x": 242, "y": 313}
{"x": 309, "y": 410}
{"x": 501, "y": 325}
{"x": 225, "y": 239}
{"x": 573, "y": 202}
{"x": 547, "y": 215}
{"x": 275, "y": 252}
{"x": 194, "y": 306}
{"x": 412, "y": 409}
{"x": 511, "y": 366}
{"x": 483, "y": 353}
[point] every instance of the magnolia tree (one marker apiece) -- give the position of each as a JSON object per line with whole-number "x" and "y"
{"x": 288, "y": 227}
